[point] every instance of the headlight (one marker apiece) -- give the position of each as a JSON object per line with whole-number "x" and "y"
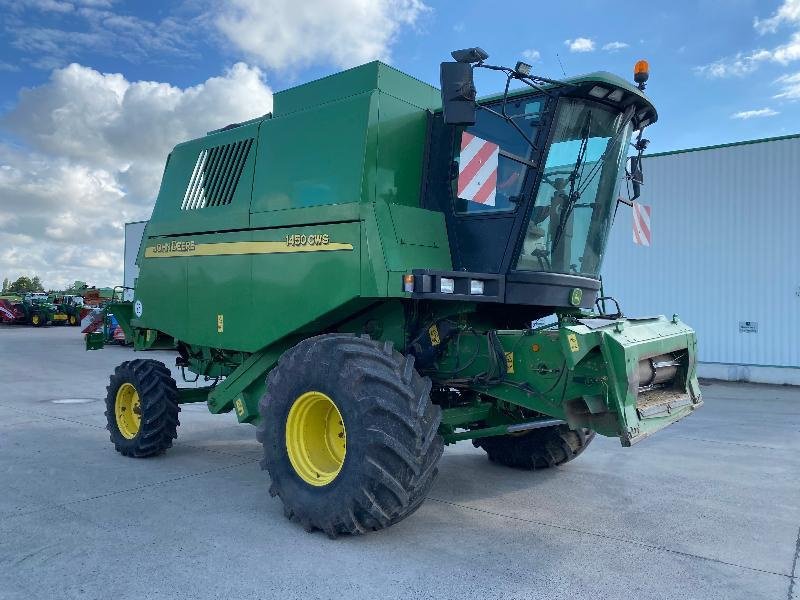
{"x": 476, "y": 287}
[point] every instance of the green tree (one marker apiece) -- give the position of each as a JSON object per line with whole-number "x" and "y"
{"x": 78, "y": 286}
{"x": 24, "y": 285}
{"x": 5, "y": 285}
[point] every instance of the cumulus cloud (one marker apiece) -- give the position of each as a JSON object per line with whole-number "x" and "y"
{"x": 92, "y": 154}
{"x": 345, "y": 33}
{"x": 752, "y": 114}
{"x": 614, "y": 46}
{"x": 788, "y": 12}
{"x": 531, "y": 55}
{"x": 580, "y": 44}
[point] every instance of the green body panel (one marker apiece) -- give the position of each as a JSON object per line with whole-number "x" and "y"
{"x": 313, "y": 157}
{"x": 324, "y": 221}
{"x": 340, "y": 157}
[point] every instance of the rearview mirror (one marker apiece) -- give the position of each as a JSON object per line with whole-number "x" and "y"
{"x": 458, "y": 93}
{"x": 637, "y": 176}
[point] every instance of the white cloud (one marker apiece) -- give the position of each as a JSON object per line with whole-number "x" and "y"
{"x": 580, "y": 44}
{"x": 93, "y": 155}
{"x": 93, "y": 28}
{"x": 791, "y": 87}
{"x": 745, "y": 63}
{"x": 752, "y": 114}
{"x": 284, "y": 34}
{"x": 737, "y": 66}
{"x": 788, "y": 12}
{"x": 788, "y": 52}
{"x": 531, "y": 55}
{"x": 614, "y": 46}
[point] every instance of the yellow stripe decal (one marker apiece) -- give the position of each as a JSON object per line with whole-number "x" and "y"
{"x": 173, "y": 249}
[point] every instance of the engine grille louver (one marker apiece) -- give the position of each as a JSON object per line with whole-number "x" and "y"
{"x": 216, "y": 175}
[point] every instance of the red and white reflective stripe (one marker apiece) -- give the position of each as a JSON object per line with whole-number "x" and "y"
{"x": 477, "y": 170}
{"x": 92, "y": 322}
{"x": 7, "y": 313}
{"x": 641, "y": 224}
{"x": 119, "y": 335}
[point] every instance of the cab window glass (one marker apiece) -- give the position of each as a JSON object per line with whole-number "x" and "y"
{"x": 491, "y": 158}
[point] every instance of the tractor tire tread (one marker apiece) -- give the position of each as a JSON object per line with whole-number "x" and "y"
{"x": 158, "y": 395}
{"x": 401, "y": 445}
{"x": 537, "y": 449}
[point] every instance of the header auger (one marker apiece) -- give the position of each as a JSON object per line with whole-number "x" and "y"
{"x": 372, "y": 271}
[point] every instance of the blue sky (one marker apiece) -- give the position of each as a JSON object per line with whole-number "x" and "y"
{"x": 678, "y": 38}
{"x": 93, "y": 93}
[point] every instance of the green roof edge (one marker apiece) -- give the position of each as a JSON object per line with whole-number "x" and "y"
{"x": 728, "y": 145}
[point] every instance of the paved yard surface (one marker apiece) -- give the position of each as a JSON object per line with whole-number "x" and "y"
{"x": 709, "y": 508}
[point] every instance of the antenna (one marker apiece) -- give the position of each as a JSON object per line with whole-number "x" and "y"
{"x": 560, "y": 64}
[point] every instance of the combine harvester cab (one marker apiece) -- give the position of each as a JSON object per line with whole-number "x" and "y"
{"x": 363, "y": 272}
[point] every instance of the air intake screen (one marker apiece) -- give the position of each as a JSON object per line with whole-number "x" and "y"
{"x": 216, "y": 175}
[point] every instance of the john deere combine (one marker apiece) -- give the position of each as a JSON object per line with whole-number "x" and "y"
{"x": 374, "y": 270}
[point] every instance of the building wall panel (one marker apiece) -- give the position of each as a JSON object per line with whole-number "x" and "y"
{"x": 725, "y": 250}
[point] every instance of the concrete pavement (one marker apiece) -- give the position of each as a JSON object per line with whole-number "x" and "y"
{"x": 709, "y": 508}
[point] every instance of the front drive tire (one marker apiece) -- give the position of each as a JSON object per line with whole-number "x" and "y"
{"x": 538, "y": 448}
{"x": 380, "y": 445}
{"x": 142, "y": 408}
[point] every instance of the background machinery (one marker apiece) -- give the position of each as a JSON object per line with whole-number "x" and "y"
{"x": 70, "y": 306}
{"x": 375, "y": 270}
{"x": 32, "y": 309}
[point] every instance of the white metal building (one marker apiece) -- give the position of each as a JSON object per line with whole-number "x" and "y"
{"x": 725, "y": 255}
{"x": 130, "y": 270}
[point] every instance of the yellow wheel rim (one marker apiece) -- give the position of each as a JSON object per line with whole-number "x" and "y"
{"x": 35, "y": 319}
{"x": 315, "y": 438}
{"x": 128, "y": 410}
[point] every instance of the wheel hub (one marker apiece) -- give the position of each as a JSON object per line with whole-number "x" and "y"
{"x": 128, "y": 411}
{"x": 316, "y": 439}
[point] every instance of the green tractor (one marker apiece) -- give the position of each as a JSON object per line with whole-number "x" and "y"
{"x": 377, "y": 269}
{"x": 69, "y": 309}
{"x": 37, "y": 310}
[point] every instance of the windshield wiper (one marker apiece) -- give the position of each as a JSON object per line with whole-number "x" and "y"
{"x": 574, "y": 195}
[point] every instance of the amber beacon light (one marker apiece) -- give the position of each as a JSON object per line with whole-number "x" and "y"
{"x": 641, "y": 73}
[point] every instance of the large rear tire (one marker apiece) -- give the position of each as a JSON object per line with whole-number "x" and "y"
{"x": 142, "y": 408}
{"x": 350, "y": 435}
{"x": 538, "y": 448}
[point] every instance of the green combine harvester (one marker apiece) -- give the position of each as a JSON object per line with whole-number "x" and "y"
{"x": 376, "y": 269}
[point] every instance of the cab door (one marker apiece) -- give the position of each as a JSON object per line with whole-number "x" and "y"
{"x": 481, "y": 177}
